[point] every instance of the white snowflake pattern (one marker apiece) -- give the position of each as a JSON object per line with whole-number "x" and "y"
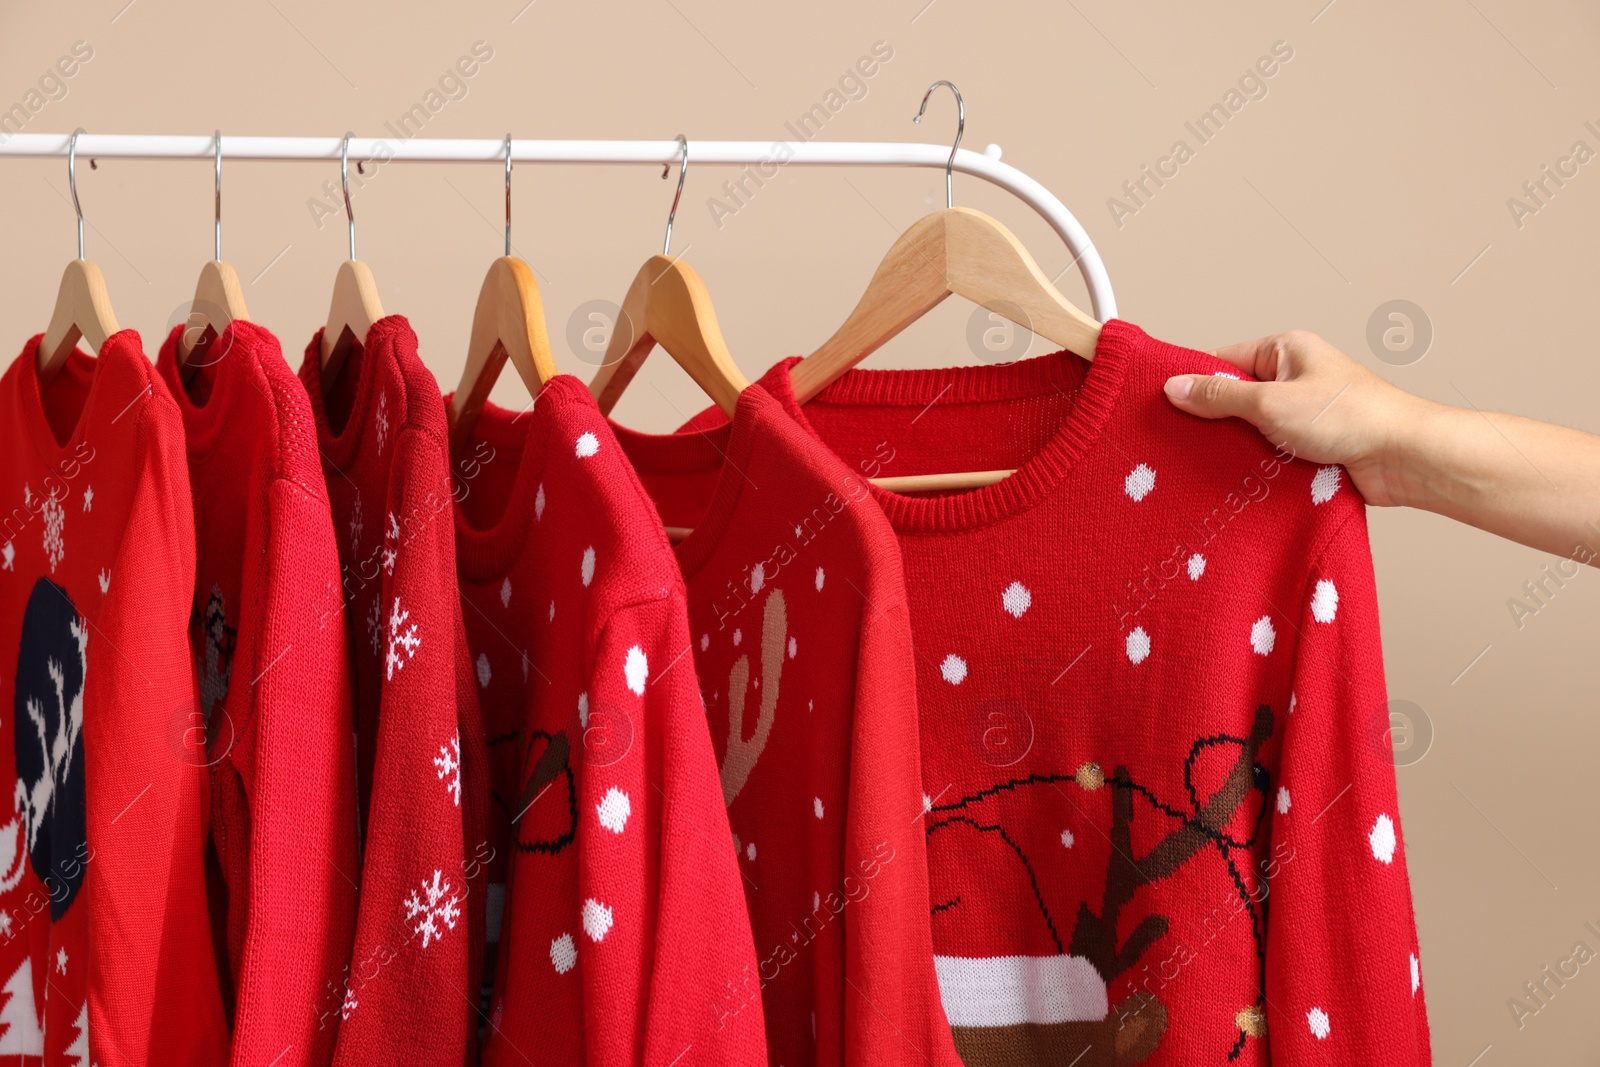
{"x": 357, "y": 523}
{"x": 402, "y": 639}
{"x": 448, "y": 763}
{"x": 105, "y": 580}
{"x": 391, "y": 544}
{"x": 350, "y": 1004}
{"x": 88, "y": 498}
{"x": 381, "y": 422}
{"x": 436, "y": 905}
{"x": 1317, "y": 1019}
{"x": 5, "y": 923}
{"x": 61, "y": 961}
{"x": 375, "y": 626}
{"x": 55, "y": 517}
{"x": 538, "y": 503}
{"x": 8, "y": 552}
{"x": 505, "y": 593}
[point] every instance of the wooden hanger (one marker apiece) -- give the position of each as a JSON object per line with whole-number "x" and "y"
{"x": 83, "y": 308}
{"x": 355, "y": 305}
{"x": 218, "y": 297}
{"x": 667, "y": 304}
{"x": 955, "y": 251}
{"x": 508, "y": 322}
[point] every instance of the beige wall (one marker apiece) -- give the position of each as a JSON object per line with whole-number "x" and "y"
{"x": 1377, "y": 167}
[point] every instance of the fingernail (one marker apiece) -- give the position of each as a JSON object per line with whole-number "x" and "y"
{"x": 1179, "y": 388}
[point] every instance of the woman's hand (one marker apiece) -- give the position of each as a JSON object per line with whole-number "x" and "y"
{"x": 1312, "y": 400}
{"x": 1529, "y": 481}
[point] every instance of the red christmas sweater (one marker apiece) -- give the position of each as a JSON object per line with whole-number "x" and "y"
{"x": 105, "y": 951}
{"x": 803, "y": 649}
{"x": 268, "y": 633}
{"x": 411, "y": 989}
{"x": 625, "y": 921}
{"x": 1161, "y": 811}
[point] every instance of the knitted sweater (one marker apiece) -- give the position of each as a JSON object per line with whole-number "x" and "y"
{"x": 102, "y": 883}
{"x": 1161, "y": 810}
{"x": 268, "y": 633}
{"x": 625, "y": 918}
{"x": 411, "y": 988}
{"x": 802, "y": 646}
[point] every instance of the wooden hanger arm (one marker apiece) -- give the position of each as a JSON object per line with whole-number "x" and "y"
{"x": 508, "y": 323}
{"x": 83, "y": 309}
{"x": 218, "y": 301}
{"x": 354, "y": 308}
{"x": 668, "y": 304}
{"x": 986, "y": 264}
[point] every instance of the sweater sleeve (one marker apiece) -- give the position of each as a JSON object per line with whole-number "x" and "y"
{"x": 408, "y": 997}
{"x": 301, "y": 911}
{"x": 1342, "y": 978}
{"x": 665, "y": 928}
{"x": 153, "y": 995}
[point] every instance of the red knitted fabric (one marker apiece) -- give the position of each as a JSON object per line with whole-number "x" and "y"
{"x": 268, "y": 634}
{"x": 1162, "y": 815}
{"x": 102, "y": 892}
{"x": 411, "y": 989}
{"x": 802, "y": 645}
{"x": 626, "y": 919}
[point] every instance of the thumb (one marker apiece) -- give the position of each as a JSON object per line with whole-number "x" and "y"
{"x": 1214, "y": 396}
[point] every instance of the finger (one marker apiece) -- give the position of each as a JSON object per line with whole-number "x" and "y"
{"x": 1256, "y": 358}
{"x": 1214, "y": 396}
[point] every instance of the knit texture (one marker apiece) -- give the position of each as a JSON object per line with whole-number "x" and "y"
{"x": 267, "y": 629}
{"x": 411, "y": 987}
{"x": 802, "y": 646}
{"x": 625, "y": 918}
{"x": 1162, "y": 820}
{"x": 103, "y": 893}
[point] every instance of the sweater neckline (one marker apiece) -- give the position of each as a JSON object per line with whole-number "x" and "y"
{"x": 43, "y": 435}
{"x": 340, "y": 449}
{"x": 203, "y": 422}
{"x": 725, "y": 448}
{"x": 1098, "y": 384}
{"x": 484, "y": 553}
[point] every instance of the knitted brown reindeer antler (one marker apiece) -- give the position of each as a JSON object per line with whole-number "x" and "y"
{"x": 1095, "y": 936}
{"x": 743, "y": 754}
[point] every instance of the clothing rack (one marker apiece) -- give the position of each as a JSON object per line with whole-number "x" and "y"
{"x": 985, "y": 165}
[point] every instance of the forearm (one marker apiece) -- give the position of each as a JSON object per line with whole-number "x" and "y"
{"x": 1529, "y": 481}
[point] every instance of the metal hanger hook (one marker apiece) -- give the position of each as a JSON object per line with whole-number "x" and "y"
{"x": 216, "y": 237}
{"x": 961, "y": 128}
{"x": 72, "y": 182}
{"x": 683, "y": 168}
{"x": 344, "y": 182}
{"x": 508, "y": 194}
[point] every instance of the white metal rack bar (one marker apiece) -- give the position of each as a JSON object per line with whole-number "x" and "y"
{"x": 985, "y": 165}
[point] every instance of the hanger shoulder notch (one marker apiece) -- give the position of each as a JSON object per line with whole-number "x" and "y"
{"x": 218, "y": 301}
{"x": 508, "y": 323}
{"x": 83, "y": 309}
{"x": 354, "y": 308}
{"x": 668, "y": 304}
